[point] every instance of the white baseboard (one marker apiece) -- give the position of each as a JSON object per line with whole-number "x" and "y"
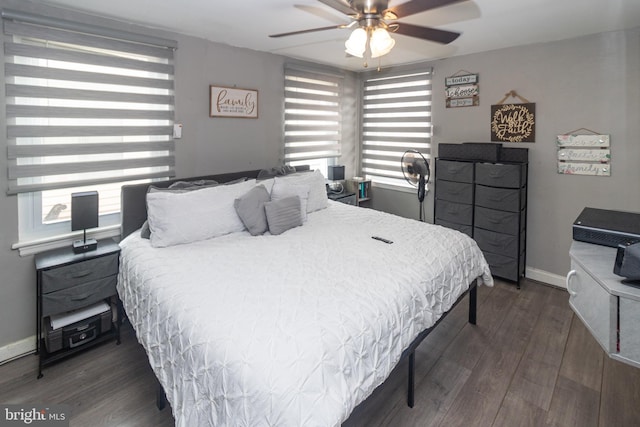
{"x": 546, "y": 277}
{"x": 17, "y": 349}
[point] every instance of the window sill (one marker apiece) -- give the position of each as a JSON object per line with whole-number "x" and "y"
{"x": 40, "y": 245}
{"x": 402, "y": 189}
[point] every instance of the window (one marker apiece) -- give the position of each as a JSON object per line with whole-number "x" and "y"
{"x": 88, "y": 108}
{"x": 396, "y": 116}
{"x": 312, "y": 117}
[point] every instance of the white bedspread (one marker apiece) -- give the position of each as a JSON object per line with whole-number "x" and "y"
{"x": 295, "y": 329}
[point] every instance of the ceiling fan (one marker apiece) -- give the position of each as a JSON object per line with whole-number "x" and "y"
{"x": 374, "y": 19}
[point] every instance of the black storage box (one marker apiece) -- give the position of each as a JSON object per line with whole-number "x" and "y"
{"x": 479, "y": 151}
{"x": 514, "y": 155}
{"x": 606, "y": 227}
{"x": 77, "y": 334}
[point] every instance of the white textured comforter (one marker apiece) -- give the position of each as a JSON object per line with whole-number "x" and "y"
{"x": 295, "y": 329}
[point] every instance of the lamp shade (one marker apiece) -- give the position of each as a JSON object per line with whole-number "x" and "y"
{"x": 357, "y": 43}
{"x": 84, "y": 210}
{"x": 381, "y": 42}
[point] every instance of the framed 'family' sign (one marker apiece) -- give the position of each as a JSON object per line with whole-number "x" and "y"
{"x": 233, "y": 102}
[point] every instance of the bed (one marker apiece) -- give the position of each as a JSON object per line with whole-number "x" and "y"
{"x": 296, "y": 328}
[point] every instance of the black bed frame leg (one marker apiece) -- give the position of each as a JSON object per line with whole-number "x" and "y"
{"x": 473, "y": 303}
{"x": 161, "y": 398}
{"x": 412, "y": 384}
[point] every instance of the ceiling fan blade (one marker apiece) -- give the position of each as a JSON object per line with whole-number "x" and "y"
{"x": 312, "y": 30}
{"x": 416, "y": 6}
{"x": 426, "y": 33}
{"x": 341, "y": 6}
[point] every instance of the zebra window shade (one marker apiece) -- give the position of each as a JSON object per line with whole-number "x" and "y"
{"x": 396, "y": 116}
{"x": 85, "y": 108}
{"x": 312, "y": 114}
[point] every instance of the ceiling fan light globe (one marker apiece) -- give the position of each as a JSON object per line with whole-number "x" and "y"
{"x": 357, "y": 43}
{"x": 381, "y": 42}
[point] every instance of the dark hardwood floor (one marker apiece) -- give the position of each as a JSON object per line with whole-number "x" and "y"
{"x": 528, "y": 362}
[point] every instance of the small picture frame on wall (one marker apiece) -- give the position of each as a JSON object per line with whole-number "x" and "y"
{"x": 233, "y": 102}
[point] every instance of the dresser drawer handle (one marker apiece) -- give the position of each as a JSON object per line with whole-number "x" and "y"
{"x": 81, "y": 297}
{"x": 568, "y": 281}
{"x": 80, "y": 274}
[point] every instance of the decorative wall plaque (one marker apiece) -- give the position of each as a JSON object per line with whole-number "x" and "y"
{"x": 462, "y": 90}
{"x": 513, "y": 122}
{"x": 584, "y": 154}
{"x": 233, "y": 102}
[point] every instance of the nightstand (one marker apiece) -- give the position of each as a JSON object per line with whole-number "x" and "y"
{"x": 345, "y": 197}
{"x": 361, "y": 188}
{"x": 69, "y": 286}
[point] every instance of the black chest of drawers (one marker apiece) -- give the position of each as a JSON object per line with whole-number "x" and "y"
{"x": 66, "y": 282}
{"x": 488, "y": 202}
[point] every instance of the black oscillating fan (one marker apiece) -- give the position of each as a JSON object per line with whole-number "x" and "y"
{"x": 416, "y": 171}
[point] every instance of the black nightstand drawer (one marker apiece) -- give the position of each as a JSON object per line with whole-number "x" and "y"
{"x": 78, "y": 296}
{"x": 82, "y": 272}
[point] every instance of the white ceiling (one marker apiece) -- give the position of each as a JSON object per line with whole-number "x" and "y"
{"x": 484, "y": 24}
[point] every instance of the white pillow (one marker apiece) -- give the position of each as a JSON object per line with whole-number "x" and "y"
{"x": 317, "y": 188}
{"x": 282, "y": 190}
{"x": 176, "y": 218}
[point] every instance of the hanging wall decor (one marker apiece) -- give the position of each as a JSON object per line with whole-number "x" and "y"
{"x": 584, "y": 154}
{"x": 462, "y": 90}
{"x": 513, "y": 122}
{"x": 233, "y": 102}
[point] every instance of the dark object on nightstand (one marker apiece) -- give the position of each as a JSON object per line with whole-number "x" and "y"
{"x": 346, "y": 198}
{"x": 67, "y": 281}
{"x": 84, "y": 214}
{"x": 335, "y": 173}
{"x": 627, "y": 262}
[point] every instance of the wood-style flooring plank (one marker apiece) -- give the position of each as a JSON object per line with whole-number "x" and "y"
{"x": 620, "y": 401}
{"x": 536, "y": 375}
{"x": 515, "y": 412}
{"x": 480, "y": 401}
{"x": 573, "y": 404}
{"x": 583, "y": 358}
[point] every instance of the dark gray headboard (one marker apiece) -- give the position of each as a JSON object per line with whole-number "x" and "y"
{"x": 134, "y": 197}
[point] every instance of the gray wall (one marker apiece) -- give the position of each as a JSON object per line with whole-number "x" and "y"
{"x": 591, "y": 82}
{"x": 208, "y": 145}
{"x": 588, "y": 82}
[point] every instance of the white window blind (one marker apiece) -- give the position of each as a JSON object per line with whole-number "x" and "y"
{"x": 312, "y": 115}
{"x": 396, "y": 117}
{"x": 85, "y": 105}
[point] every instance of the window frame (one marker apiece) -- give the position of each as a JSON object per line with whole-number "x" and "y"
{"x": 400, "y": 73}
{"x": 45, "y": 53}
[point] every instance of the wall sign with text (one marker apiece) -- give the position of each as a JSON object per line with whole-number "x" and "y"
{"x": 462, "y": 91}
{"x": 584, "y": 155}
{"x": 513, "y": 122}
{"x": 233, "y": 102}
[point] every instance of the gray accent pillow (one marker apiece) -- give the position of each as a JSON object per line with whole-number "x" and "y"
{"x": 250, "y": 209}
{"x": 283, "y": 214}
{"x": 145, "y": 231}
